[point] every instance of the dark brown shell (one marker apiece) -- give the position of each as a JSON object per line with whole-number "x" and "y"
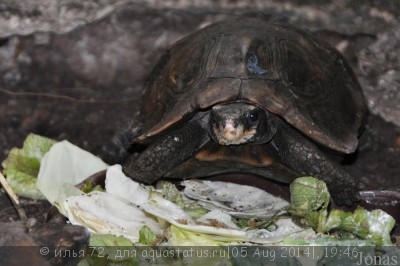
{"x": 276, "y": 66}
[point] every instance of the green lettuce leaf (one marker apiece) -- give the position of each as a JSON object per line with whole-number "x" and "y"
{"x": 21, "y": 167}
{"x": 109, "y": 240}
{"x": 309, "y": 203}
{"x": 147, "y": 237}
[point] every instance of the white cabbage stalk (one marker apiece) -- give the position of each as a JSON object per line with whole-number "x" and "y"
{"x": 125, "y": 207}
{"x": 172, "y": 213}
{"x": 104, "y": 213}
{"x": 118, "y": 184}
{"x": 245, "y": 202}
{"x": 64, "y": 166}
{"x": 219, "y": 216}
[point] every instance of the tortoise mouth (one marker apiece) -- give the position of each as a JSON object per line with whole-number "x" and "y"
{"x": 227, "y": 134}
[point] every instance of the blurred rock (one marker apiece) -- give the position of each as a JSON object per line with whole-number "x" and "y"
{"x": 380, "y": 75}
{"x": 26, "y": 17}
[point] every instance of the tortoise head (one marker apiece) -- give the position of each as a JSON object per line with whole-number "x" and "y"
{"x": 240, "y": 122}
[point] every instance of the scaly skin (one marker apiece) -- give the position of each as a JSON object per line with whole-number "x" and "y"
{"x": 303, "y": 156}
{"x": 170, "y": 150}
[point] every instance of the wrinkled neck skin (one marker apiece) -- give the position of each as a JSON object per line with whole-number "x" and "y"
{"x": 241, "y": 123}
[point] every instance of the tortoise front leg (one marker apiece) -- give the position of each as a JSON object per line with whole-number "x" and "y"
{"x": 168, "y": 151}
{"x": 305, "y": 157}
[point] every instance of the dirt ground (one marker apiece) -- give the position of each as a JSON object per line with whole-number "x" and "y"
{"x": 79, "y": 75}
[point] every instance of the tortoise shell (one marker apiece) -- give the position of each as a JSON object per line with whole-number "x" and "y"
{"x": 278, "y": 67}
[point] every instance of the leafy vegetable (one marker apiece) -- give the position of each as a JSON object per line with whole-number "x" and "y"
{"x": 22, "y": 165}
{"x": 121, "y": 186}
{"x": 239, "y": 201}
{"x": 373, "y": 225}
{"x": 171, "y": 193}
{"x": 107, "y": 214}
{"x": 147, "y": 237}
{"x": 108, "y": 240}
{"x": 310, "y": 199}
{"x": 106, "y": 248}
{"x": 64, "y": 166}
{"x": 181, "y": 237}
{"x": 89, "y": 187}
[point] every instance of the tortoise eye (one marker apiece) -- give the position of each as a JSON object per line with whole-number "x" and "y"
{"x": 252, "y": 117}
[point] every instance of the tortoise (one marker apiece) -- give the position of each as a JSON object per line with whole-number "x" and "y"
{"x": 246, "y": 95}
